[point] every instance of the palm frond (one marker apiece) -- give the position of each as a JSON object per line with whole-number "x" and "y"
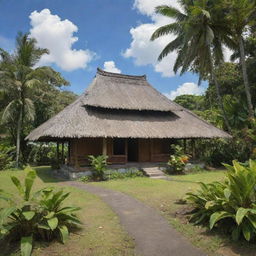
{"x": 173, "y": 28}
{"x": 9, "y": 111}
{"x": 29, "y": 109}
{"x": 171, "y": 12}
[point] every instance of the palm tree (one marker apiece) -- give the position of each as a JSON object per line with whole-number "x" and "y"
{"x": 19, "y": 80}
{"x": 241, "y": 14}
{"x": 200, "y": 33}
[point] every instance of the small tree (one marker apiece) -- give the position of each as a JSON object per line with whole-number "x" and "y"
{"x": 99, "y": 165}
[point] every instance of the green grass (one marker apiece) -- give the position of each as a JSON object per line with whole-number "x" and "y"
{"x": 101, "y": 233}
{"x": 164, "y": 196}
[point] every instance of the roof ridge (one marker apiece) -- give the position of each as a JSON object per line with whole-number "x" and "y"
{"x": 110, "y": 74}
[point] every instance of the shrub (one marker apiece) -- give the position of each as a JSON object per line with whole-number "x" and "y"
{"x": 230, "y": 204}
{"x": 214, "y": 152}
{"x": 177, "y": 160}
{"x": 35, "y": 216}
{"x": 6, "y": 157}
{"x": 99, "y": 165}
{"x": 44, "y": 153}
{"x": 85, "y": 178}
{"x": 114, "y": 175}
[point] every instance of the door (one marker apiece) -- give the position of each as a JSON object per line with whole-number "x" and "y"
{"x": 132, "y": 150}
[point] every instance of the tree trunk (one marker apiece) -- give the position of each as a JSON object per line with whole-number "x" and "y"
{"x": 18, "y": 138}
{"x": 245, "y": 77}
{"x": 220, "y": 103}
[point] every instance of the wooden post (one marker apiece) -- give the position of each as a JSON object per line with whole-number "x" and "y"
{"x": 126, "y": 150}
{"x": 62, "y": 153}
{"x": 193, "y": 148}
{"x": 185, "y": 146}
{"x": 76, "y": 154}
{"x": 69, "y": 153}
{"x": 151, "y": 149}
{"x": 58, "y": 153}
{"x": 104, "y": 147}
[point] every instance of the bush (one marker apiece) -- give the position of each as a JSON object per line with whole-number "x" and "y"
{"x": 177, "y": 160}
{"x": 85, "y": 178}
{"x": 214, "y": 152}
{"x": 99, "y": 165}
{"x": 230, "y": 204}
{"x": 35, "y": 216}
{"x": 6, "y": 157}
{"x": 114, "y": 175}
{"x": 43, "y": 153}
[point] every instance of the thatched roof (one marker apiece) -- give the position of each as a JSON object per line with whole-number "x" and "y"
{"x": 123, "y": 106}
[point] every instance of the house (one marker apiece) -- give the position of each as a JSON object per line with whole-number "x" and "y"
{"x": 124, "y": 117}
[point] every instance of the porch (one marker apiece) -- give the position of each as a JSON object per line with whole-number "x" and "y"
{"x": 121, "y": 152}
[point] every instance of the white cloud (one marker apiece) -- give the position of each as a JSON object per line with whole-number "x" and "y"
{"x": 110, "y": 66}
{"x": 147, "y": 7}
{"x": 186, "y": 88}
{"x": 57, "y": 36}
{"x": 144, "y": 51}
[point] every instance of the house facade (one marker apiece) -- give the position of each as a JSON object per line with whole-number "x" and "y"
{"x": 125, "y": 118}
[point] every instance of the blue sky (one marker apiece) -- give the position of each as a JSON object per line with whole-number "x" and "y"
{"x": 85, "y": 34}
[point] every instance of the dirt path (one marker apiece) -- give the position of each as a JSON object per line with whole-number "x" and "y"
{"x": 152, "y": 234}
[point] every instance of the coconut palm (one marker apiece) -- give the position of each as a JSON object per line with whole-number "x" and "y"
{"x": 18, "y": 82}
{"x": 241, "y": 14}
{"x": 199, "y": 35}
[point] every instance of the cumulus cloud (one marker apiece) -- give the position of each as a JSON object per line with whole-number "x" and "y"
{"x": 186, "y": 88}
{"x": 57, "y": 36}
{"x": 147, "y": 7}
{"x": 144, "y": 51}
{"x": 110, "y": 66}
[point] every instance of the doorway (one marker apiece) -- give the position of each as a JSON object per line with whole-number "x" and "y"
{"x": 132, "y": 150}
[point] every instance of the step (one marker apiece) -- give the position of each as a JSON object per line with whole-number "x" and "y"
{"x": 154, "y": 173}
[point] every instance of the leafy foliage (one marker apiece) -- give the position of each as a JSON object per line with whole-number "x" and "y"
{"x": 115, "y": 175}
{"x": 6, "y": 156}
{"x": 38, "y": 215}
{"x": 177, "y": 160}
{"x": 230, "y": 204}
{"x": 22, "y": 85}
{"x": 99, "y": 166}
{"x": 191, "y": 102}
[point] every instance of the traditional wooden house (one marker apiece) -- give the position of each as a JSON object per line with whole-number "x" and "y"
{"x": 124, "y": 117}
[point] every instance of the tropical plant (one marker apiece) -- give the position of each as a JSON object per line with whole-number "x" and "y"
{"x": 240, "y": 15}
{"x": 177, "y": 160}
{"x": 19, "y": 80}
{"x": 38, "y": 215}
{"x": 230, "y": 204}
{"x": 200, "y": 33}
{"x": 6, "y": 156}
{"x": 99, "y": 166}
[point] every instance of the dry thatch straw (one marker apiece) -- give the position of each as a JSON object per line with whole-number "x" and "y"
{"x": 123, "y": 106}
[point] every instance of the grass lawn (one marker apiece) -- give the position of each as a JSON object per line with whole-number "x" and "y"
{"x": 101, "y": 233}
{"x": 163, "y": 195}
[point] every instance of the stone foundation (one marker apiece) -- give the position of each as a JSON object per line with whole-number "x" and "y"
{"x": 71, "y": 173}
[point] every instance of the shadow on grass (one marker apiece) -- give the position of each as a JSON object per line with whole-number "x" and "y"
{"x": 45, "y": 173}
{"x": 182, "y": 181}
{"x": 228, "y": 247}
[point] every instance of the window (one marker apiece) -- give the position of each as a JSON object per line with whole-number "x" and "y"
{"x": 119, "y": 147}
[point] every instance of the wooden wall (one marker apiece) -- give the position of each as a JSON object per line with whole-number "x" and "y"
{"x": 149, "y": 150}
{"x": 144, "y": 150}
{"x": 81, "y": 148}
